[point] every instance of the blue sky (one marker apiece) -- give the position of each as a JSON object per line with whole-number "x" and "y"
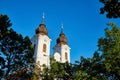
{"x": 83, "y": 25}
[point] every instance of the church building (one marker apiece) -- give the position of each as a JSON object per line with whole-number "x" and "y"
{"x": 41, "y": 42}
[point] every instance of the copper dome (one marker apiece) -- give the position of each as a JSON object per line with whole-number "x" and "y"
{"x": 42, "y": 29}
{"x": 62, "y": 39}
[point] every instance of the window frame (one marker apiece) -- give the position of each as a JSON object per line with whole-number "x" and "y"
{"x": 44, "y": 47}
{"x": 66, "y": 56}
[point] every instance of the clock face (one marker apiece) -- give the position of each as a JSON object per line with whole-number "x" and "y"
{"x": 65, "y": 48}
{"x": 45, "y": 40}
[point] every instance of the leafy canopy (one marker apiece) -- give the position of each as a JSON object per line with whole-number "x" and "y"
{"x": 111, "y": 8}
{"x": 16, "y": 52}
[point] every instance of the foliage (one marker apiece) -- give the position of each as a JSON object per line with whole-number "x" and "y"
{"x": 16, "y": 52}
{"x": 37, "y": 72}
{"x": 110, "y": 49}
{"x": 57, "y": 71}
{"x": 89, "y": 68}
{"x": 104, "y": 65}
{"x": 111, "y": 7}
{"x": 16, "y": 59}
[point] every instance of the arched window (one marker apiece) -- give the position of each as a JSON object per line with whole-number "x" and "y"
{"x": 66, "y": 56}
{"x": 44, "y": 47}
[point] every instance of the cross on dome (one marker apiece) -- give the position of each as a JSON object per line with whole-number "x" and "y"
{"x": 43, "y": 17}
{"x": 62, "y": 39}
{"x": 42, "y": 27}
{"x": 62, "y": 27}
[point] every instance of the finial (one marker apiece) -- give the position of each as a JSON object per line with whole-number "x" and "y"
{"x": 43, "y": 17}
{"x": 62, "y": 27}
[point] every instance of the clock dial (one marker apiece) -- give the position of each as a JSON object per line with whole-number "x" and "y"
{"x": 45, "y": 40}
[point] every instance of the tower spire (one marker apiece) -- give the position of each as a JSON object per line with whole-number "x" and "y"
{"x": 62, "y": 28}
{"x": 62, "y": 39}
{"x": 43, "y": 17}
{"x": 42, "y": 27}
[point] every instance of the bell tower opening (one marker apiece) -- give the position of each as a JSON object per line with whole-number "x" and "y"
{"x": 44, "y": 48}
{"x": 66, "y": 56}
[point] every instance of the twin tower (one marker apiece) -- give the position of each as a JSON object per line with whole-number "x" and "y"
{"x": 41, "y": 43}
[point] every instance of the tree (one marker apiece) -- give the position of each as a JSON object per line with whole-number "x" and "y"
{"x": 58, "y": 71}
{"x": 89, "y": 68}
{"x": 4, "y": 25}
{"x": 109, "y": 46}
{"x": 111, "y": 8}
{"x": 68, "y": 68}
{"x": 37, "y": 72}
{"x": 16, "y": 52}
{"x": 104, "y": 65}
{"x": 55, "y": 71}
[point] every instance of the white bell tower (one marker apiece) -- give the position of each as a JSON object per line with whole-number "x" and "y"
{"x": 61, "y": 49}
{"x": 41, "y": 43}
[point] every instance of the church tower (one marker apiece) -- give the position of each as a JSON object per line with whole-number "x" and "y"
{"x": 41, "y": 42}
{"x": 61, "y": 49}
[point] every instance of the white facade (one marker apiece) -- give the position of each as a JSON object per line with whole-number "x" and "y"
{"x": 65, "y": 49}
{"x": 61, "y": 49}
{"x": 41, "y": 43}
{"x": 41, "y": 57}
{"x": 62, "y": 53}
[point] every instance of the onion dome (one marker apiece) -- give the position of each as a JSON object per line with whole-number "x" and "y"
{"x": 62, "y": 39}
{"x": 42, "y": 28}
